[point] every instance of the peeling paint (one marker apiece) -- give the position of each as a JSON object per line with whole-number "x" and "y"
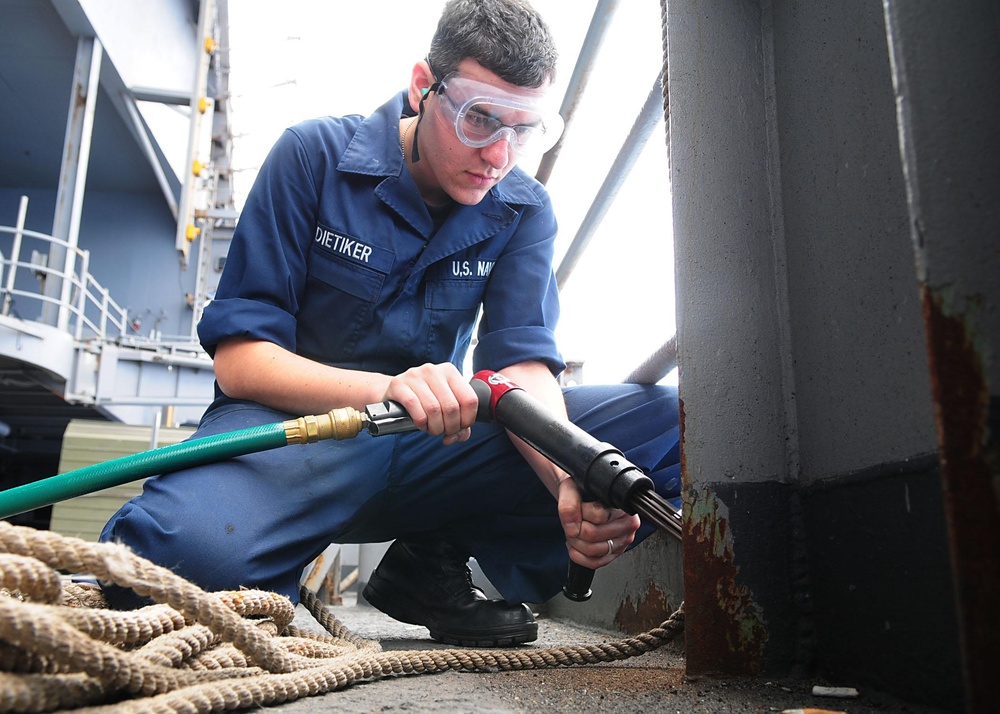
{"x": 726, "y": 629}
{"x": 649, "y": 612}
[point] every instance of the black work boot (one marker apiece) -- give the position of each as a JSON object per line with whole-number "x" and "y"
{"x": 430, "y": 584}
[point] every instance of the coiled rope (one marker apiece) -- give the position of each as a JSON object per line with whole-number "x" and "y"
{"x": 196, "y": 651}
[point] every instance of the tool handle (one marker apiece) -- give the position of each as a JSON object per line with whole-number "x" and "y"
{"x": 578, "y": 580}
{"x": 388, "y": 418}
{"x": 601, "y": 471}
{"x": 598, "y": 468}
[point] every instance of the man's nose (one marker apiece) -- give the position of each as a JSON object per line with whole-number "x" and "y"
{"x": 499, "y": 153}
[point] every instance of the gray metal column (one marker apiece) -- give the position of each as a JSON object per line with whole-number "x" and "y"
{"x": 73, "y": 176}
{"x": 738, "y": 426}
{"x": 815, "y": 537}
{"x": 946, "y": 72}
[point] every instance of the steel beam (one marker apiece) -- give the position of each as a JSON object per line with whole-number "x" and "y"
{"x": 599, "y": 23}
{"x": 73, "y": 177}
{"x": 141, "y": 133}
{"x": 649, "y": 118}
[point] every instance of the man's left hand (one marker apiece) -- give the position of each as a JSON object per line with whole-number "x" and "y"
{"x": 595, "y": 533}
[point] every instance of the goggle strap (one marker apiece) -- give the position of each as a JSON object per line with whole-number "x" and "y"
{"x": 420, "y": 115}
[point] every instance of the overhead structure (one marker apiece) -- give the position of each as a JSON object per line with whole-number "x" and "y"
{"x": 99, "y": 307}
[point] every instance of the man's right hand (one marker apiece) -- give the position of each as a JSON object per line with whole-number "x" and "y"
{"x": 438, "y": 399}
{"x": 436, "y": 396}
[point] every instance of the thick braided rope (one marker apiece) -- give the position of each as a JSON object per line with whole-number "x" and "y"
{"x": 114, "y": 563}
{"x": 196, "y": 652}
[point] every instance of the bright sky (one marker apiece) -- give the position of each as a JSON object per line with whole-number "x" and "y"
{"x": 317, "y": 57}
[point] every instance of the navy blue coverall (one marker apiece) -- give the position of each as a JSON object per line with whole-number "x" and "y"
{"x": 336, "y": 257}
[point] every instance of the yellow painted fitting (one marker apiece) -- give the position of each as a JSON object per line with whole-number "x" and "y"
{"x": 210, "y": 45}
{"x": 343, "y": 423}
{"x": 191, "y": 233}
{"x": 197, "y": 167}
{"x": 202, "y": 105}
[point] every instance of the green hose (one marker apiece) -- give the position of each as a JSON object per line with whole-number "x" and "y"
{"x": 195, "y": 452}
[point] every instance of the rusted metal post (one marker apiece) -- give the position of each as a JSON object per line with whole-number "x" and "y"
{"x": 945, "y": 64}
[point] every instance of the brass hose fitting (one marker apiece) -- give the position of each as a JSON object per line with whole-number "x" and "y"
{"x": 342, "y": 423}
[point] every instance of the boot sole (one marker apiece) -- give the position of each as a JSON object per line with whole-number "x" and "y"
{"x": 504, "y": 637}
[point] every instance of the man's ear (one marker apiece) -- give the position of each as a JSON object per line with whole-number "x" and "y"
{"x": 421, "y": 78}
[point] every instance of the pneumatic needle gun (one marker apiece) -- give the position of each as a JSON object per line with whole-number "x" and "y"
{"x": 600, "y": 470}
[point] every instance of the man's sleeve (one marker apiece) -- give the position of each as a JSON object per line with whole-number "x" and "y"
{"x": 521, "y": 304}
{"x": 259, "y": 291}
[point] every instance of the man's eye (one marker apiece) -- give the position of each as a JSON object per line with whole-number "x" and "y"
{"x": 526, "y": 131}
{"x": 481, "y": 122}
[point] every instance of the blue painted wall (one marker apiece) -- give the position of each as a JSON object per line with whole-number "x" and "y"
{"x": 130, "y": 237}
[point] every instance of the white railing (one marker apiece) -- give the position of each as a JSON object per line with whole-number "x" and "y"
{"x": 109, "y": 363}
{"x": 94, "y": 314}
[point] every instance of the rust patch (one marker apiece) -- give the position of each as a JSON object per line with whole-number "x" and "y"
{"x": 961, "y": 395}
{"x": 970, "y": 480}
{"x": 644, "y": 615}
{"x": 729, "y": 633}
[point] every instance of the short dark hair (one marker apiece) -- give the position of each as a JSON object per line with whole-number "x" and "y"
{"x": 507, "y": 37}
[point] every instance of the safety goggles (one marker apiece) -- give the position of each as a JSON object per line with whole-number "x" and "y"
{"x": 483, "y": 114}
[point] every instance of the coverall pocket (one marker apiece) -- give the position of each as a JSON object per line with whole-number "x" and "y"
{"x": 452, "y": 307}
{"x": 341, "y": 299}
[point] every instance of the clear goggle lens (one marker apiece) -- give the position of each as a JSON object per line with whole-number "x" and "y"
{"x": 483, "y": 114}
